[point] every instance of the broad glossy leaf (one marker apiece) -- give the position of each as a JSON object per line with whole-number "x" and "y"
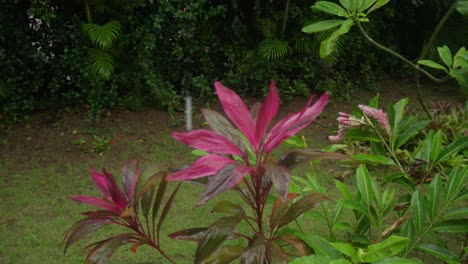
{"x": 462, "y": 7}
{"x": 321, "y": 246}
{"x": 361, "y": 135}
{"x": 280, "y": 176}
{"x": 106, "y": 248}
{"x": 301, "y": 206}
{"x": 227, "y": 207}
{"x": 323, "y": 25}
{"x": 378, "y": 5}
{"x": 445, "y": 55}
{"x": 275, "y": 254}
{"x": 344, "y": 190}
{"x": 208, "y": 141}
{"x": 191, "y": 234}
{"x": 461, "y": 58}
{"x": 237, "y": 111}
{"x": 387, "y": 248}
{"x": 219, "y": 124}
{"x": 353, "y": 205}
{"x": 436, "y": 146}
{"x": 398, "y": 260}
{"x": 315, "y": 259}
{"x": 226, "y": 179}
{"x": 373, "y": 159}
{"x": 130, "y": 175}
{"x": 395, "y": 117}
{"x": 432, "y": 64}
{"x": 452, "y": 226}
{"x": 347, "y": 4}
{"x": 457, "y": 179}
{"x": 297, "y": 243}
{"x": 328, "y": 45}
{"x": 365, "y": 4}
{"x": 84, "y": 227}
{"x": 330, "y": 8}
{"x": 453, "y": 148}
{"x": 224, "y": 254}
{"x": 297, "y": 157}
{"x": 456, "y": 213}
{"x": 255, "y": 251}
{"x": 439, "y": 252}
{"x": 364, "y": 183}
{"x": 435, "y": 191}
{"x": 411, "y": 131}
{"x": 267, "y": 111}
{"x": 215, "y": 235}
{"x": 461, "y": 75}
{"x": 334, "y": 147}
{"x": 347, "y": 249}
{"x": 418, "y": 209}
{"x": 279, "y": 208}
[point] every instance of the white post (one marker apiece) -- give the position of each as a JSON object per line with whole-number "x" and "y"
{"x": 188, "y": 112}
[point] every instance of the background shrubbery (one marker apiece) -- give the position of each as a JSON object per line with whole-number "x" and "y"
{"x": 166, "y": 49}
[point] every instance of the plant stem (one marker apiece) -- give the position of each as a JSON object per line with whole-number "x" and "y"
{"x": 380, "y": 46}
{"x": 285, "y": 18}
{"x": 88, "y": 12}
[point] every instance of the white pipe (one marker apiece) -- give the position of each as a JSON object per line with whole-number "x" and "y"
{"x": 188, "y": 112}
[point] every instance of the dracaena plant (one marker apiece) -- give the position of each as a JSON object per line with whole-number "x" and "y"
{"x": 139, "y": 208}
{"x": 238, "y": 158}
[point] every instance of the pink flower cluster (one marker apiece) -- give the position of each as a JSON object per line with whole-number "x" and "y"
{"x": 346, "y": 121}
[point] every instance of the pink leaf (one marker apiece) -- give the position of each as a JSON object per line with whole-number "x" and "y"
{"x": 130, "y": 175}
{"x": 237, "y": 111}
{"x": 94, "y": 201}
{"x": 208, "y": 141}
{"x": 100, "y": 180}
{"x": 117, "y": 196}
{"x": 266, "y": 113}
{"x": 204, "y": 166}
{"x": 292, "y": 124}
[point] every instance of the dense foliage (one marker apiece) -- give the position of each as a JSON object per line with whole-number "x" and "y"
{"x": 100, "y": 53}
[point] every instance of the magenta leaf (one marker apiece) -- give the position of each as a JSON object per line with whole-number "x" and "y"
{"x": 237, "y": 111}
{"x": 215, "y": 236}
{"x": 98, "y": 202}
{"x": 117, "y": 196}
{"x": 293, "y": 123}
{"x": 204, "y": 166}
{"x": 100, "y": 180}
{"x": 267, "y": 111}
{"x": 84, "y": 227}
{"x": 208, "y": 141}
{"x": 130, "y": 174}
{"x": 226, "y": 179}
{"x": 280, "y": 177}
{"x": 222, "y": 126}
{"x": 256, "y": 250}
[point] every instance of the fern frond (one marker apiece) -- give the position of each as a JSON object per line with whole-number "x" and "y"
{"x": 103, "y": 36}
{"x": 273, "y": 49}
{"x": 102, "y": 64}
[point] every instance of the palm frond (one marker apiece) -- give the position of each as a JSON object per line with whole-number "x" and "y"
{"x": 334, "y": 56}
{"x": 102, "y": 64}
{"x": 273, "y": 49}
{"x": 268, "y": 27}
{"x": 103, "y": 36}
{"x": 304, "y": 45}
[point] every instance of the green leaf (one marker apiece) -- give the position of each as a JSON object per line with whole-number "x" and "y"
{"x": 364, "y": 183}
{"x": 365, "y": 4}
{"x": 255, "y": 251}
{"x": 334, "y": 147}
{"x": 347, "y": 4}
{"x": 432, "y": 64}
{"x": 418, "y": 209}
{"x": 353, "y": 205}
{"x": 387, "y": 248}
{"x": 347, "y": 249}
{"x": 227, "y": 207}
{"x": 340, "y": 261}
{"x": 102, "y": 64}
{"x": 456, "y": 182}
{"x": 378, "y": 5}
{"x": 323, "y": 25}
{"x": 453, "y": 148}
{"x": 105, "y": 248}
{"x": 436, "y": 146}
{"x": 315, "y": 259}
{"x": 445, "y": 55}
{"x": 216, "y": 234}
{"x": 224, "y": 254}
{"x": 298, "y": 157}
{"x": 452, "y": 226}
{"x": 461, "y": 58}
{"x": 301, "y": 206}
{"x": 398, "y": 110}
{"x": 398, "y": 260}
{"x": 461, "y": 212}
{"x": 321, "y": 246}
{"x": 273, "y": 49}
{"x": 374, "y": 159}
{"x": 461, "y": 75}
{"x": 361, "y": 135}
{"x": 85, "y": 227}
{"x": 462, "y": 7}
{"x": 343, "y": 189}
{"x": 328, "y": 45}
{"x": 103, "y": 36}
{"x": 439, "y": 252}
{"x": 435, "y": 190}
{"x": 330, "y": 8}
{"x": 409, "y": 132}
